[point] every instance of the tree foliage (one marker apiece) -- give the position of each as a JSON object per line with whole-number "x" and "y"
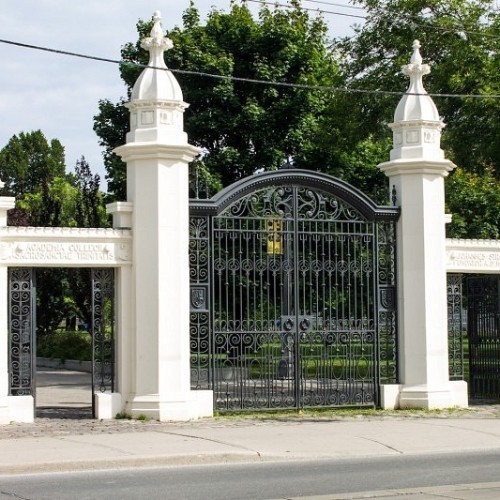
{"x": 474, "y": 201}
{"x": 243, "y": 126}
{"x": 460, "y": 41}
{"x": 29, "y": 161}
{"x": 34, "y": 172}
{"x": 240, "y": 126}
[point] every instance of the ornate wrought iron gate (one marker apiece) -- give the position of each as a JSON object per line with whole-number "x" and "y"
{"x": 455, "y": 327}
{"x": 483, "y": 326}
{"x": 292, "y": 293}
{"x": 22, "y": 327}
{"x": 103, "y": 332}
{"x": 22, "y": 321}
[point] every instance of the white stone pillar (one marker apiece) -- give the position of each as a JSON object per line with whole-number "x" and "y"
{"x": 9, "y": 411}
{"x": 157, "y": 155}
{"x": 417, "y": 169}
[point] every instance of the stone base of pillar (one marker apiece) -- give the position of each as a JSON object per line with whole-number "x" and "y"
{"x": 451, "y": 395}
{"x": 190, "y": 406}
{"x": 17, "y": 409}
{"x": 389, "y": 396}
{"x": 397, "y": 396}
{"x": 107, "y": 405}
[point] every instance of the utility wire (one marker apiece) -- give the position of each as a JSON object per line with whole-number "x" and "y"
{"x": 325, "y": 88}
{"x": 332, "y": 4}
{"x": 456, "y": 29}
{"x": 321, "y": 11}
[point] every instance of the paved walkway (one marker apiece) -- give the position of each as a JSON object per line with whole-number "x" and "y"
{"x": 63, "y": 394}
{"x": 58, "y": 444}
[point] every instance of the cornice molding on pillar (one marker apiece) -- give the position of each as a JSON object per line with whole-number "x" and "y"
{"x": 156, "y": 151}
{"x": 7, "y": 202}
{"x": 417, "y": 166}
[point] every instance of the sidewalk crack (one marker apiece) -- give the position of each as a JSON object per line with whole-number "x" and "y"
{"x": 217, "y": 441}
{"x": 389, "y": 447}
{"x": 12, "y": 495}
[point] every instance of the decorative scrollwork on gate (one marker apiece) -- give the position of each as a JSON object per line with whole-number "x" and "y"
{"x": 387, "y": 310}
{"x": 301, "y": 295}
{"x": 455, "y": 327}
{"x": 103, "y": 330}
{"x": 21, "y": 331}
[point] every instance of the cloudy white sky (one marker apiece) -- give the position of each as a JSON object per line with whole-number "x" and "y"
{"x": 59, "y": 94}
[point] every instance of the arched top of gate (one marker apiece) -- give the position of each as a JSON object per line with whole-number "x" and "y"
{"x": 300, "y": 178}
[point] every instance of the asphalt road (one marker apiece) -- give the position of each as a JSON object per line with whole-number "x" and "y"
{"x": 270, "y": 480}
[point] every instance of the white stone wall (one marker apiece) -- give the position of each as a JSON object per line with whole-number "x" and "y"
{"x": 473, "y": 256}
{"x": 64, "y": 247}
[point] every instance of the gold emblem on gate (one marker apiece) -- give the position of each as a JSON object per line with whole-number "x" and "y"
{"x": 274, "y": 236}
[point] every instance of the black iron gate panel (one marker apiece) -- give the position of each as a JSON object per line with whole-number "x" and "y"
{"x": 292, "y": 296}
{"x": 483, "y": 329}
{"x": 21, "y": 283}
{"x": 455, "y": 326}
{"x": 103, "y": 321}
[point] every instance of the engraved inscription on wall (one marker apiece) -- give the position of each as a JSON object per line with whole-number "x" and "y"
{"x": 481, "y": 260}
{"x": 65, "y": 252}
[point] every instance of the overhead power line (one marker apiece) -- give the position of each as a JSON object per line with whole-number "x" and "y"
{"x": 321, "y": 11}
{"x": 332, "y": 4}
{"x": 324, "y": 88}
{"x": 451, "y": 29}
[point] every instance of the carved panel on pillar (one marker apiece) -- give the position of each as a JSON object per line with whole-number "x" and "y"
{"x": 21, "y": 331}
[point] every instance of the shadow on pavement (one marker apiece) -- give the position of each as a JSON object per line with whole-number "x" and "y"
{"x": 63, "y": 394}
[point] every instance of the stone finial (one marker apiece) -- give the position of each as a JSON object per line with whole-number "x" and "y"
{"x": 156, "y": 44}
{"x": 156, "y": 103}
{"x": 416, "y": 104}
{"x": 416, "y": 70}
{"x": 417, "y": 125}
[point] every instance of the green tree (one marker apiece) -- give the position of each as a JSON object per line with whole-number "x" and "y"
{"x": 70, "y": 201}
{"x": 240, "y": 126}
{"x": 29, "y": 161}
{"x": 460, "y": 41}
{"x": 474, "y": 201}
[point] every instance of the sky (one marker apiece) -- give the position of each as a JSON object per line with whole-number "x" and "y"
{"x": 59, "y": 94}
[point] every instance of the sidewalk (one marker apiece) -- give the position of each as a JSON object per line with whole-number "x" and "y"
{"x": 68, "y": 444}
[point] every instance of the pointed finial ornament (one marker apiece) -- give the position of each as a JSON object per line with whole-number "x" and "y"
{"x": 156, "y": 43}
{"x": 416, "y": 58}
{"x": 416, "y": 104}
{"x": 416, "y": 70}
{"x": 156, "y": 103}
{"x": 417, "y": 125}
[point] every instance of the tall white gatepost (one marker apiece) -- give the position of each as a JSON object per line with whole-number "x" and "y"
{"x": 12, "y": 408}
{"x": 157, "y": 154}
{"x": 417, "y": 169}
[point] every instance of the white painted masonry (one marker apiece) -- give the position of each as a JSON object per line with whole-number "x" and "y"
{"x": 473, "y": 256}
{"x": 417, "y": 169}
{"x": 157, "y": 154}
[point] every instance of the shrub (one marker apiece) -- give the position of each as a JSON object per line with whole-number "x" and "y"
{"x": 65, "y": 345}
